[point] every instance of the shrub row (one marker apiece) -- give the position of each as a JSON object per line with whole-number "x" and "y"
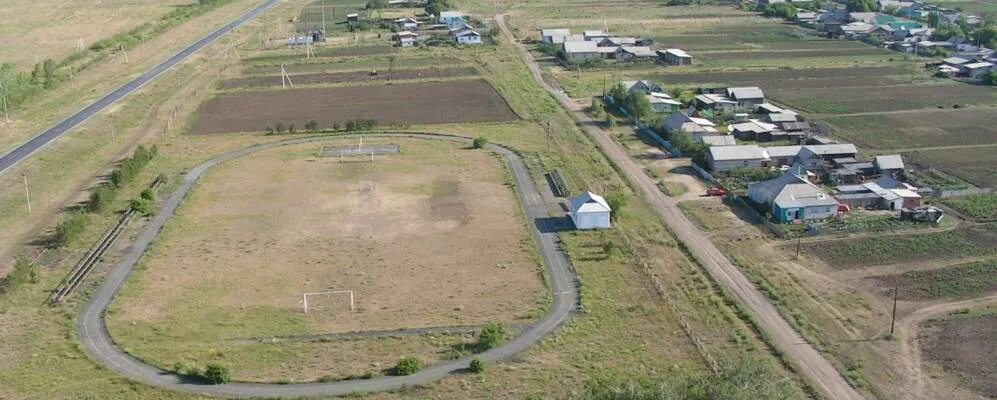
{"x": 22, "y": 273}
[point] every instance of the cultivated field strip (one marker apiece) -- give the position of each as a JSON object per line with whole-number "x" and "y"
{"x": 561, "y": 277}
{"x": 349, "y": 77}
{"x": 404, "y": 103}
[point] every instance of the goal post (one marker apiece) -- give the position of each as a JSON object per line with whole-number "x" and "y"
{"x": 304, "y": 297}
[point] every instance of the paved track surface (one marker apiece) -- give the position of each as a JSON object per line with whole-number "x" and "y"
{"x": 101, "y": 347}
{"x": 43, "y": 139}
{"x": 807, "y": 360}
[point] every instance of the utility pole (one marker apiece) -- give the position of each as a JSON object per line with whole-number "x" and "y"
{"x": 323, "y": 17}
{"x": 547, "y": 134}
{"x": 798, "y": 242}
{"x": 896, "y": 289}
{"x": 27, "y": 194}
{"x": 113, "y": 140}
{"x": 80, "y": 47}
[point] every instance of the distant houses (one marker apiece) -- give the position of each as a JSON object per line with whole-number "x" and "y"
{"x": 598, "y": 45}
{"x": 811, "y": 157}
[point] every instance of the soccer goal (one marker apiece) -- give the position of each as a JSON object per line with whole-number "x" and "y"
{"x": 304, "y": 298}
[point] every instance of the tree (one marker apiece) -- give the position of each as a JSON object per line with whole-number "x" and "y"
{"x": 312, "y": 125}
{"x": 892, "y": 10}
{"x": 596, "y": 109}
{"x": 477, "y": 366}
{"x": 407, "y": 366}
{"x": 290, "y": 128}
{"x": 434, "y": 7}
{"x": 491, "y": 335}
{"x": 479, "y": 142}
{"x": 375, "y": 4}
{"x": 616, "y": 201}
{"x": 618, "y": 93}
{"x": 990, "y": 79}
{"x": 933, "y": 19}
{"x": 279, "y": 127}
{"x": 638, "y": 105}
{"x": 335, "y": 125}
{"x": 609, "y": 121}
{"x": 215, "y": 374}
{"x": 23, "y": 272}
{"x": 861, "y": 5}
{"x": 141, "y": 206}
{"x": 148, "y": 194}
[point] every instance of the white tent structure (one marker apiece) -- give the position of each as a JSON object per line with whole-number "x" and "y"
{"x": 590, "y": 211}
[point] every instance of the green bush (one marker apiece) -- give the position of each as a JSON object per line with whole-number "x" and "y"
{"x": 148, "y": 194}
{"x": 491, "y": 335}
{"x": 617, "y": 201}
{"x": 101, "y": 197}
{"x": 141, "y": 205}
{"x": 215, "y": 374}
{"x": 311, "y": 126}
{"x": 477, "y": 366}
{"x": 70, "y": 228}
{"x": 479, "y": 142}
{"x": 131, "y": 166}
{"x": 23, "y": 272}
{"x": 407, "y": 366}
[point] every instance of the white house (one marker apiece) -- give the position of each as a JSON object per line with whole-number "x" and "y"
{"x": 407, "y": 23}
{"x": 406, "y": 38}
{"x": 590, "y": 211}
{"x": 663, "y": 103}
{"x": 451, "y": 17}
{"x": 467, "y": 36}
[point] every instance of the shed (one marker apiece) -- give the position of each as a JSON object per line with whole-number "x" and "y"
{"x": 580, "y": 51}
{"x": 748, "y": 97}
{"x": 555, "y": 35}
{"x": 888, "y": 164}
{"x": 675, "y": 57}
{"x": 590, "y": 211}
{"x": 718, "y": 140}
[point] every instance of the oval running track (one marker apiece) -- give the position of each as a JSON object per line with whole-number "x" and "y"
{"x": 101, "y": 347}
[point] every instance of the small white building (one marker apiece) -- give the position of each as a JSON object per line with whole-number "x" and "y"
{"x": 406, "y": 38}
{"x": 467, "y": 36}
{"x": 407, "y": 23}
{"x": 590, "y": 211}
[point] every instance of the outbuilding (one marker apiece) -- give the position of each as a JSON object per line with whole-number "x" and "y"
{"x": 590, "y": 211}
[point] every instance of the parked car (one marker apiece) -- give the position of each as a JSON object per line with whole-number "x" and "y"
{"x": 716, "y": 191}
{"x": 843, "y": 208}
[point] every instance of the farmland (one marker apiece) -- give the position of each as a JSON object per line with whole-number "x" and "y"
{"x": 912, "y": 129}
{"x": 843, "y": 100}
{"x": 379, "y": 229}
{"x": 975, "y": 165}
{"x": 970, "y": 357}
{"x": 410, "y": 103}
{"x": 350, "y": 77}
{"x": 378, "y": 63}
{"x": 852, "y": 253}
{"x": 957, "y": 281}
{"x": 982, "y": 207}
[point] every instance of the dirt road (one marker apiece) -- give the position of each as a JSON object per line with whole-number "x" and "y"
{"x": 810, "y": 364}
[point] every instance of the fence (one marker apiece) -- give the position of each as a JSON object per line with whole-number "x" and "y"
{"x": 703, "y": 173}
{"x": 961, "y": 192}
{"x": 641, "y": 128}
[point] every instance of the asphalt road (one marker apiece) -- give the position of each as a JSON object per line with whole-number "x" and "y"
{"x": 101, "y": 347}
{"x": 43, "y": 139}
{"x": 811, "y": 365}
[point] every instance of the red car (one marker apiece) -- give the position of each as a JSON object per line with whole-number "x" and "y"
{"x": 715, "y": 191}
{"x": 844, "y": 208}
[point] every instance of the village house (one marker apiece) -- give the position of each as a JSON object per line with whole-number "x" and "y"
{"x": 467, "y": 36}
{"x": 451, "y": 18}
{"x": 811, "y": 157}
{"x": 590, "y": 211}
{"x": 663, "y": 103}
{"x": 640, "y": 86}
{"x": 746, "y": 97}
{"x": 617, "y": 41}
{"x": 718, "y": 140}
{"x": 697, "y": 127}
{"x": 884, "y": 193}
{"x": 634, "y": 53}
{"x": 554, "y": 36}
{"x": 806, "y": 17}
{"x": 749, "y": 130}
{"x": 792, "y": 198}
{"x": 977, "y": 70}
{"x": 352, "y": 17}
{"x": 888, "y": 164}
{"x": 580, "y": 51}
{"x": 594, "y": 36}
{"x": 715, "y": 102}
{"x": 674, "y": 57}
{"x": 406, "y": 38}
{"x": 407, "y": 23}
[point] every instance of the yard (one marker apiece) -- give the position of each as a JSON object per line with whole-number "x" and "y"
{"x": 982, "y": 207}
{"x": 232, "y": 267}
{"x": 409, "y": 103}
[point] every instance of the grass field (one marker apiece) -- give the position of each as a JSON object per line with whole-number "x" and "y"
{"x": 409, "y": 103}
{"x": 854, "y": 253}
{"x": 957, "y": 281}
{"x": 51, "y": 29}
{"x": 974, "y": 165}
{"x": 350, "y": 77}
{"x": 981, "y": 207}
{"x": 235, "y": 262}
{"x": 885, "y": 98}
{"x": 366, "y": 64}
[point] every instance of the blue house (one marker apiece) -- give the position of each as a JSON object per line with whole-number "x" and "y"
{"x": 791, "y": 198}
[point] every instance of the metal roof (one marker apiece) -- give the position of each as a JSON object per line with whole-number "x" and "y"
{"x": 721, "y": 140}
{"x": 892, "y": 161}
{"x": 589, "y": 202}
{"x": 678, "y": 52}
{"x": 639, "y": 51}
{"x": 741, "y": 93}
{"x": 580, "y": 47}
{"x": 731, "y": 153}
{"x": 555, "y": 32}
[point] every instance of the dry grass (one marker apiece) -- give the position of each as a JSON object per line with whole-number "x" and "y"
{"x": 447, "y": 249}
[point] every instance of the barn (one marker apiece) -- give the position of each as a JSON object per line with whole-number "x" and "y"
{"x": 590, "y": 211}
